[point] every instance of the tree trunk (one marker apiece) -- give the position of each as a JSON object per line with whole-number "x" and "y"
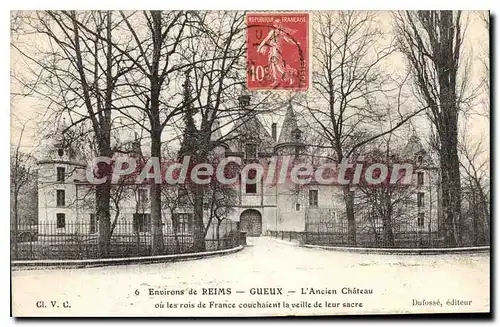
{"x": 199, "y": 227}
{"x": 351, "y": 220}
{"x": 474, "y": 218}
{"x": 455, "y": 192}
{"x": 103, "y": 194}
{"x": 219, "y": 222}
{"x": 175, "y": 227}
{"x": 157, "y": 242}
{"x": 448, "y": 221}
{"x": 16, "y": 218}
{"x": 444, "y": 52}
{"x": 387, "y": 221}
{"x": 115, "y": 220}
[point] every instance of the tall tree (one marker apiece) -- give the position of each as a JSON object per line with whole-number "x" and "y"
{"x": 348, "y": 81}
{"x": 76, "y": 71}
{"x": 157, "y": 37}
{"x": 210, "y": 99}
{"x": 474, "y": 163}
{"x": 432, "y": 42}
{"x": 21, "y": 175}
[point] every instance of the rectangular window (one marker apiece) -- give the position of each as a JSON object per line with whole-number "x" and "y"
{"x": 142, "y": 197}
{"x": 251, "y": 188}
{"x": 313, "y": 198}
{"x": 420, "y": 199}
{"x": 420, "y": 178}
{"x": 61, "y": 174}
{"x": 184, "y": 222}
{"x": 61, "y": 220}
{"x": 61, "y": 198}
{"x": 93, "y": 223}
{"x": 142, "y": 222}
{"x": 251, "y": 151}
{"x": 297, "y": 206}
{"x": 420, "y": 219}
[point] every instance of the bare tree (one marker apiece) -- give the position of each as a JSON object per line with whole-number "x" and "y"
{"x": 156, "y": 37}
{"x": 210, "y": 101}
{"x": 77, "y": 71}
{"x": 484, "y": 53}
{"x": 475, "y": 171}
{"x": 348, "y": 80}
{"x": 214, "y": 109}
{"x": 22, "y": 175}
{"x": 389, "y": 202}
{"x": 221, "y": 200}
{"x": 432, "y": 43}
{"x": 172, "y": 201}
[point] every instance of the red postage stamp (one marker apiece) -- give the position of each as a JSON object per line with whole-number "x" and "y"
{"x": 278, "y": 51}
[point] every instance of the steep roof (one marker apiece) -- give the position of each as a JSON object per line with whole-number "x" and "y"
{"x": 289, "y": 126}
{"x": 216, "y": 131}
{"x": 414, "y": 146}
{"x": 249, "y": 128}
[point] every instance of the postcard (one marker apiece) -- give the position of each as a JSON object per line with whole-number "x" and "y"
{"x": 249, "y": 163}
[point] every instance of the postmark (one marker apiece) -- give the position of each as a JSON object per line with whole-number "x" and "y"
{"x": 278, "y": 51}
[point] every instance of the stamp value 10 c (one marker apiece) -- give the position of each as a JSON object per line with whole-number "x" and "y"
{"x": 277, "y": 51}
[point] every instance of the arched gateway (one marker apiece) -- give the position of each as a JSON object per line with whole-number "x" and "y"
{"x": 251, "y": 222}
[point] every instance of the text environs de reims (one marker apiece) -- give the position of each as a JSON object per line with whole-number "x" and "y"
{"x": 270, "y": 291}
{"x": 266, "y": 291}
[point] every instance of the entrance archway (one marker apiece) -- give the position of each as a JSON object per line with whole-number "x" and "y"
{"x": 251, "y": 222}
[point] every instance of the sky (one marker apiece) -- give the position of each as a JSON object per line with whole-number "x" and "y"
{"x": 30, "y": 110}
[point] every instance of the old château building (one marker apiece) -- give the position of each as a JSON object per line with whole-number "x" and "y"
{"x": 65, "y": 200}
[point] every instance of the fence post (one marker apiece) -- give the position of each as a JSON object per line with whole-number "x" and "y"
{"x": 301, "y": 237}
{"x": 243, "y": 238}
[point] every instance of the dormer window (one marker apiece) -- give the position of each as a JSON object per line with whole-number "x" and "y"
{"x": 60, "y": 152}
{"x": 251, "y": 151}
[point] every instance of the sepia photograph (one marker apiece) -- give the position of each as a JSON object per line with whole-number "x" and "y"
{"x": 249, "y": 163}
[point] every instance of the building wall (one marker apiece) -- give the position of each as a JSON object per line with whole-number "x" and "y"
{"x": 283, "y": 207}
{"x": 47, "y": 199}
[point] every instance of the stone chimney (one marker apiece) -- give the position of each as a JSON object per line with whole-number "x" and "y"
{"x": 274, "y": 132}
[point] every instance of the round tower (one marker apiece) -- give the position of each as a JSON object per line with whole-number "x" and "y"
{"x": 60, "y": 169}
{"x": 291, "y": 140}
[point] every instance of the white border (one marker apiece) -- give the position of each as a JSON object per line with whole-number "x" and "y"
{"x": 190, "y": 4}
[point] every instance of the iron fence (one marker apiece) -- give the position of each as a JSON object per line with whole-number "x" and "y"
{"x": 286, "y": 235}
{"x": 404, "y": 235}
{"x": 48, "y": 240}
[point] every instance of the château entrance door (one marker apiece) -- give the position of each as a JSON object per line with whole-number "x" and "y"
{"x": 251, "y": 222}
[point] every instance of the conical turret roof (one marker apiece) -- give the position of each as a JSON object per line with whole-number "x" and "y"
{"x": 289, "y": 128}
